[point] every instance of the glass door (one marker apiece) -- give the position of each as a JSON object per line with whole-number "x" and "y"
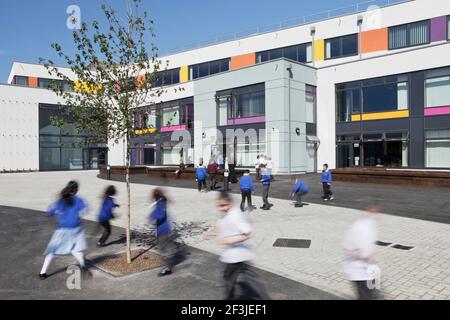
{"x": 348, "y": 154}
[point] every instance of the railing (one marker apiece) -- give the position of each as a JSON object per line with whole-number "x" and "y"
{"x": 290, "y": 23}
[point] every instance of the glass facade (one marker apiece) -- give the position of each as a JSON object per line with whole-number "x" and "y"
{"x": 341, "y": 46}
{"x": 301, "y": 53}
{"x": 238, "y": 103}
{"x": 437, "y": 149}
{"x": 437, "y": 88}
{"x": 208, "y": 68}
{"x": 311, "y": 104}
{"x": 21, "y": 81}
{"x": 168, "y": 77}
{"x": 408, "y": 35}
{"x": 63, "y": 149}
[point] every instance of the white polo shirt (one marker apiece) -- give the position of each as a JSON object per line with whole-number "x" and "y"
{"x": 233, "y": 224}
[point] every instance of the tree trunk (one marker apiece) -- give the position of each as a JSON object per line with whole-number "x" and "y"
{"x": 127, "y": 178}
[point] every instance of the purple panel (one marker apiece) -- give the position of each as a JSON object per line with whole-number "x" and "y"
{"x": 247, "y": 120}
{"x": 439, "y": 29}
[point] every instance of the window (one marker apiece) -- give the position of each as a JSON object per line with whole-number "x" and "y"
{"x": 437, "y": 92}
{"x": 386, "y": 150}
{"x": 208, "y": 68}
{"x": 21, "y": 81}
{"x": 168, "y": 77}
{"x": 437, "y": 149}
{"x": 448, "y": 28}
{"x": 311, "y": 104}
{"x": 245, "y": 102}
{"x": 385, "y": 97}
{"x": 409, "y": 35}
{"x": 341, "y": 46}
{"x": 301, "y": 53}
{"x": 170, "y": 116}
{"x": 348, "y": 103}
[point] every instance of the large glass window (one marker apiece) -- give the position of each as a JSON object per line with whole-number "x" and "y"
{"x": 437, "y": 149}
{"x": 170, "y": 116}
{"x": 341, "y": 46}
{"x": 385, "y": 97}
{"x": 310, "y": 104}
{"x": 448, "y": 28}
{"x": 348, "y": 103}
{"x": 168, "y": 77}
{"x": 385, "y": 150}
{"x": 408, "y": 35}
{"x": 242, "y": 102}
{"x": 437, "y": 92}
{"x": 21, "y": 81}
{"x": 301, "y": 53}
{"x": 208, "y": 68}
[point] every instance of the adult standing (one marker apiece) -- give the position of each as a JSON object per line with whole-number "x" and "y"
{"x": 212, "y": 170}
{"x": 257, "y": 168}
{"x": 265, "y": 180}
{"x": 220, "y": 161}
{"x": 270, "y": 167}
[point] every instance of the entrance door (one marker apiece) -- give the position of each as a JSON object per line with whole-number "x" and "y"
{"x": 348, "y": 155}
{"x": 149, "y": 156}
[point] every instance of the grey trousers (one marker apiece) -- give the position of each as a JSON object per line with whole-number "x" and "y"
{"x": 265, "y": 194}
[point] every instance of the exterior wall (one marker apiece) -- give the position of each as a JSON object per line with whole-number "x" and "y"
{"x": 19, "y": 126}
{"x": 392, "y": 64}
{"x": 276, "y": 78}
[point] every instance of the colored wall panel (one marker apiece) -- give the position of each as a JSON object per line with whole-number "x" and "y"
{"x": 140, "y": 80}
{"x": 319, "y": 50}
{"x": 242, "y": 61}
{"x": 375, "y": 40}
{"x": 385, "y": 115}
{"x": 247, "y": 120}
{"x": 33, "y": 82}
{"x": 437, "y": 111}
{"x": 356, "y": 117}
{"x": 184, "y": 74}
{"x": 173, "y": 128}
{"x": 439, "y": 29}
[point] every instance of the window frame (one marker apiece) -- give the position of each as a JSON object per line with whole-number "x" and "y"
{"x": 298, "y": 47}
{"x": 195, "y": 68}
{"x": 426, "y": 93}
{"x": 408, "y": 35}
{"x": 341, "y": 47}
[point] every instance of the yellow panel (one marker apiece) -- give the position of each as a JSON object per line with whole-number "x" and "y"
{"x": 319, "y": 50}
{"x": 184, "y": 74}
{"x": 386, "y": 115}
{"x": 356, "y": 117}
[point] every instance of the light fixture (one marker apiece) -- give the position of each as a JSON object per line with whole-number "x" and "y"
{"x": 360, "y": 20}
{"x": 313, "y": 30}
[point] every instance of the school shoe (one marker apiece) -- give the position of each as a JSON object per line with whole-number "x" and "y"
{"x": 99, "y": 244}
{"x": 326, "y": 199}
{"x": 297, "y": 205}
{"x": 164, "y": 272}
{"x": 265, "y": 208}
{"x": 86, "y": 272}
{"x": 332, "y": 198}
{"x": 43, "y": 276}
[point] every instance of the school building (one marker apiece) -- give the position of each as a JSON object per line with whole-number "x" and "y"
{"x": 364, "y": 89}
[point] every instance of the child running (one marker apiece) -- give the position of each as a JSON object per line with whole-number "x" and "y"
{"x": 326, "y": 179}
{"x": 106, "y": 214}
{"x": 297, "y": 191}
{"x": 247, "y": 188}
{"x": 200, "y": 177}
{"x": 69, "y": 238}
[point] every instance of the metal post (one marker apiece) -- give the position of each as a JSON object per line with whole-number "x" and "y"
{"x": 225, "y": 180}
{"x": 289, "y": 69}
{"x": 108, "y": 168}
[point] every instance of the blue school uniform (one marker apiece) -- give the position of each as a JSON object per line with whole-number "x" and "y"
{"x": 159, "y": 215}
{"x": 326, "y": 177}
{"x": 106, "y": 210}
{"x": 69, "y": 237}
{"x": 300, "y": 187}
{"x": 266, "y": 178}
{"x": 200, "y": 174}
{"x": 246, "y": 183}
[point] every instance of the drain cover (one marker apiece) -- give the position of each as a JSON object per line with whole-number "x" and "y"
{"x": 383, "y": 244}
{"x": 292, "y": 243}
{"x": 400, "y": 247}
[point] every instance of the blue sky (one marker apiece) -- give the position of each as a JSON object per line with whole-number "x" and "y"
{"x": 27, "y": 27}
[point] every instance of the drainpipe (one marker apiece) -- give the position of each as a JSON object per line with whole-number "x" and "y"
{"x": 289, "y": 69}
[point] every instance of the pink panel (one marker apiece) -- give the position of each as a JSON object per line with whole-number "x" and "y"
{"x": 437, "y": 111}
{"x": 247, "y": 120}
{"x": 173, "y": 128}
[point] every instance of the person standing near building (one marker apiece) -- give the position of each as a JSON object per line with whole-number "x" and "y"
{"x": 233, "y": 230}
{"x": 298, "y": 191}
{"x": 211, "y": 170}
{"x": 257, "y": 168}
{"x": 270, "y": 167}
{"x": 246, "y": 186}
{"x": 69, "y": 238}
{"x": 359, "y": 245}
{"x": 106, "y": 214}
{"x": 220, "y": 161}
{"x": 200, "y": 177}
{"x": 265, "y": 180}
{"x": 164, "y": 237}
{"x": 326, "y": 179}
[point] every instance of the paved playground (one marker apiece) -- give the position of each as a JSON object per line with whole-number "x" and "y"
{"x": 420, "y": 273}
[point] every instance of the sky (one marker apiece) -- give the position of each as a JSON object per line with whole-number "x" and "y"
{"x": 29, "y": 27}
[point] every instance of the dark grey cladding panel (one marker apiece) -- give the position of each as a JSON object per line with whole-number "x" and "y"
{"x": 386, "y": 125}
{"x": 311, "y": 129}
{"x": 437, "y": 122}
{"x": 416, "y": 143}
{"x": 348, "y": 127}
{"x": 416, "y": 93}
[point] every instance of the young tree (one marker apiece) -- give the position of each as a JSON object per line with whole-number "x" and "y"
{"x": 113, "y": 74}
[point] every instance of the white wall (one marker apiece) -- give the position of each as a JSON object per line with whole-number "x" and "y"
{"x": 19, "y": 126}
{"x": 401, "y": 62}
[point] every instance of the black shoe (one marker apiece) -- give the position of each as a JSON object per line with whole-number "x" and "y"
{"x": 270, "y": 205}
{"x": 265, "y": 208}
{"x": 86, "y": 272}
{"x": 100, "y": 244}
{"x": 298, "y": 205}
{"x": 164, "y": 272}
{"x": 43, "y": 276}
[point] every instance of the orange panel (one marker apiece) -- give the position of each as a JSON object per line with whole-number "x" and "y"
{"x": 33, "y": 82}
{"x": 244, "y": 60}
{"x": 375, "y": 40}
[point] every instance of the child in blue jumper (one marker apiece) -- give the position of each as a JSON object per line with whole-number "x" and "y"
{"x": 297, "y": 191}
{"x": 200, "y": 177}
{"x": 326, "y": 179}
{"x": 246, "y": 186}
{"x": 265, "y": 180}
{"x": 106, "y": 214}
{"x": 69, "y": 238}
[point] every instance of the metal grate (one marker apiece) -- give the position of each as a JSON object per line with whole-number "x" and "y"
{"x": 292, "y": 243}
